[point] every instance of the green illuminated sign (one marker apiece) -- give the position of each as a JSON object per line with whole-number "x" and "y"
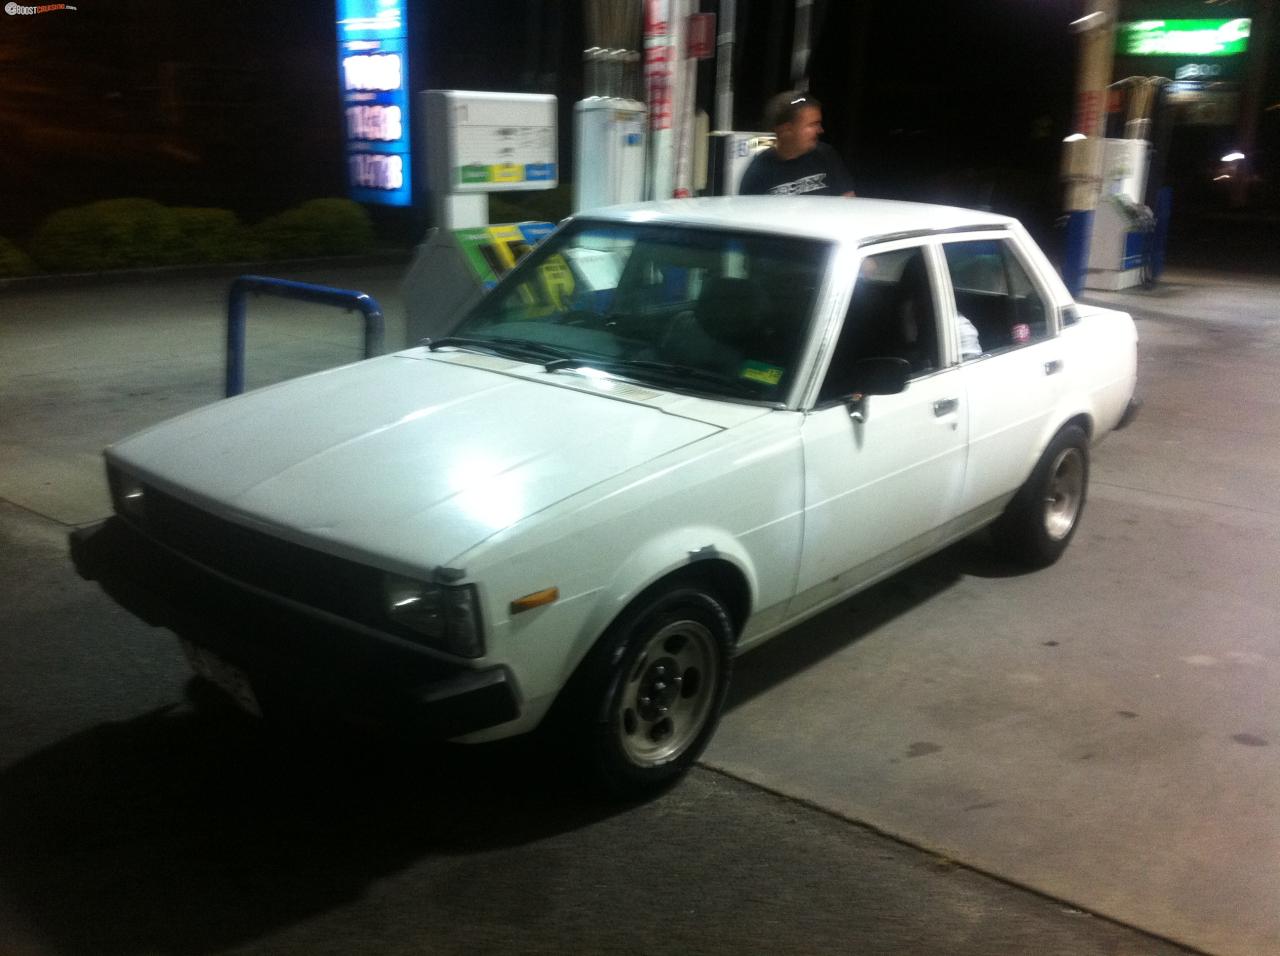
{"x": 1183, "y": 37}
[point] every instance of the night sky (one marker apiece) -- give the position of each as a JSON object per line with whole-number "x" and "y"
{"x": 235, "y": 103}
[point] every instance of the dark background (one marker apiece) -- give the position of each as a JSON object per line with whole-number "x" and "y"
{"x": 235, "y": 104}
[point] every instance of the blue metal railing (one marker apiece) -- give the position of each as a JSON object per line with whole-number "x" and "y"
{"x": 288, "y": 289}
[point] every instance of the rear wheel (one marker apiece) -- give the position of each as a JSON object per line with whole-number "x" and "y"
{"x": 1043, "y": 516}
{"x": 648, "y": 697}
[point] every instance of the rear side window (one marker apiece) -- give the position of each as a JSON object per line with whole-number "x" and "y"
{"x": 994, "y": 296}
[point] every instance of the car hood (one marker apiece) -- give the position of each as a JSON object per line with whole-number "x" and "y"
{"x": 409, "y": 460}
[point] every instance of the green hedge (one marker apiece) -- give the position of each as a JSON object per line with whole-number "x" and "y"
{"x": 320, "y": 227}
{"x": 111, "y": 234}
{"x": 125, "y": 233}
{"x": 13, "y": 261}
{"x": 212, "y": 235}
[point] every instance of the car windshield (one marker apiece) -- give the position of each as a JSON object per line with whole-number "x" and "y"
{"x": 707, "y": 311}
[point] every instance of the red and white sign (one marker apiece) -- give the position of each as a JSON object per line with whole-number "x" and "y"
{"x": 657, "y": 81}
{"x": 1089, "y": 112}
{"x": 659, "y": 62}
{"x": 702, "y": 35}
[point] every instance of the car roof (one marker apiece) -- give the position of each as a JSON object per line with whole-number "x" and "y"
{"x": 817, "y": 217}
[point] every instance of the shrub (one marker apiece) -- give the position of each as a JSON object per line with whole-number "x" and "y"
{"x": 211, "y": 235}
{"x": 111, "y": 234}
{"x": 13, "y": 261}
{"x": 319, "y": 227}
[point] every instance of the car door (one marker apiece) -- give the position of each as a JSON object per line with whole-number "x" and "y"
{"x": 878, "y": 489}
{"x": 1012, "y": 378}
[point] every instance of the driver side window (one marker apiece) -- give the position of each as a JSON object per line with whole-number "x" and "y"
{"x": 891, "y": 315}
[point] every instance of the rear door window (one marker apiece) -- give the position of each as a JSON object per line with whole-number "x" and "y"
{"x": 998, "y": 306}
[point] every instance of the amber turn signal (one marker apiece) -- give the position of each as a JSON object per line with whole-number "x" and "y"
{"x": 536, "y": 599}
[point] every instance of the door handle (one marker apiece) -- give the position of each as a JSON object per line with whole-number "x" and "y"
{"x": 1053, "y": 367}
{"x": 945, "y": 406}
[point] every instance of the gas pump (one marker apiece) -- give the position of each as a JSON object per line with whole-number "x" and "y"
{"x": 477, "y": 143}
{"x": 729, "y": 154}
{"x": 609, "y": 133}
{"x": 1122, "y": 224}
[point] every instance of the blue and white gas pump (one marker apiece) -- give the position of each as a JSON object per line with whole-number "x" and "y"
{"x": 609, "y": 132}
{"x": 1122, "y": 225}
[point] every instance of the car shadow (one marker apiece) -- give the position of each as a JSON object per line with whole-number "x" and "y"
{"x": 851, "y": 620}
{"x": 189, "y": 831}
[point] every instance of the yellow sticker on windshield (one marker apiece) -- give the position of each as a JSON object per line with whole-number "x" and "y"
{"x": 759, "y": 372}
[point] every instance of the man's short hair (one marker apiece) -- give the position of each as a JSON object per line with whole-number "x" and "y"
{"x": 784, "y": 107}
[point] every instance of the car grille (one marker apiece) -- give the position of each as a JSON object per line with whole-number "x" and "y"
{"x": 342, "y": 587}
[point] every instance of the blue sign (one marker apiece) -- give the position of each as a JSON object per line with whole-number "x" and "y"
{"x": 373, "y": 74}
{"x": 540, "y": 172}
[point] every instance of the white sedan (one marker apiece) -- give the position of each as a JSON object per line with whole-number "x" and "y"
{"x": 674, "y": 431}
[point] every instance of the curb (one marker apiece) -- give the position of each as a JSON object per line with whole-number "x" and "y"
{"x": 228, "y": 270}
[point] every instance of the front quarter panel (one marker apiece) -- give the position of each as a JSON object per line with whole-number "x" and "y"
{"x": 734, "y": 497}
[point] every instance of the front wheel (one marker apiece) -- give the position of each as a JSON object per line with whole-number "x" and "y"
{"x": 647, "y": 699}
{"x": 1043, "y": 516}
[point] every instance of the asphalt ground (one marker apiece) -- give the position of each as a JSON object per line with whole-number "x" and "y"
{"x": 964, "y": 759}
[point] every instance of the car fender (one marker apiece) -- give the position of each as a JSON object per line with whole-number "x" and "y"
{"x": 1077, "y": 408}
{"x": 660, "y": 557}
{"x": 574, "y": 626}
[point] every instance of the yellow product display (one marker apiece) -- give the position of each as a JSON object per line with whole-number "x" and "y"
{"x": 557, "y": 282}
{"x": 509, "y": 243}
{"x": 506, "y": 173}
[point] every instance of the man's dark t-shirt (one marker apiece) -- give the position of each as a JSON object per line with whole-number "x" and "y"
{"x": 816, "y": 173}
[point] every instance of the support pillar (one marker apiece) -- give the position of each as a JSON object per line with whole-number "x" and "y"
{"x": 1082, "y": 153}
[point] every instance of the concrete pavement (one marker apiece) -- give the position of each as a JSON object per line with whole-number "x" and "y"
{"x": 1103, "y": 732}
{"x": 137, "y": 821}
{"x": 85, "y": 364}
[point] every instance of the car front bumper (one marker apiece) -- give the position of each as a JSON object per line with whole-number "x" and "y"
{"x": 300, "y": 653}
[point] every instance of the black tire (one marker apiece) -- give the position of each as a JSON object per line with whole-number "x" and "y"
{"x": 1043, "y": 516}
{"x": 646, "y": 700}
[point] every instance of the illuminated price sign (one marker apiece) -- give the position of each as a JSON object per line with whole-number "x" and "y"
{"x": 380, "y": 124}
{"x": 373, "y": 70}
{"x": 377, "y": 171}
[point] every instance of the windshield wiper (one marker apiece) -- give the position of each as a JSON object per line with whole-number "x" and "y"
{"x": 505, "y": 347}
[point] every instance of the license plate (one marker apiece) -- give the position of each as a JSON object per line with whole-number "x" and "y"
{"x": 221, "y": 674}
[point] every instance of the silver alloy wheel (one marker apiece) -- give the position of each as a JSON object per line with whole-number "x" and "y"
{"x": 667, "y": 697}
{"x": 1064, "y": 493}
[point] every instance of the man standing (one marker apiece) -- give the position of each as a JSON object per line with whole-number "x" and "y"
{"x": 797, "y": 163}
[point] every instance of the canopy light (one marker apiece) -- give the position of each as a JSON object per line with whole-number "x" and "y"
{"x": 1183, "y": 37}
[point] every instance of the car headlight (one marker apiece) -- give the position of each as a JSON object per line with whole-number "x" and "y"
{"x": 447, "y": 615}
{"x": 128, "y": 495}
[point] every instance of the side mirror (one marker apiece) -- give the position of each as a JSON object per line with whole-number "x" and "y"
{"x": 881, "y": 376}
{"x": 876, "y": 376}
